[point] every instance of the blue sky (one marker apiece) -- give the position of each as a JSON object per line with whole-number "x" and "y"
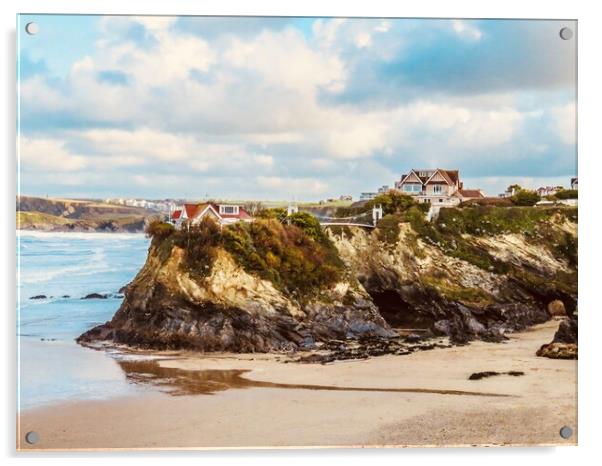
{"x": 290, "y": 108}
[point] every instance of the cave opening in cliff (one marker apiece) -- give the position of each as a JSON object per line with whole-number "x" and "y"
{"x": 397, "y": 312}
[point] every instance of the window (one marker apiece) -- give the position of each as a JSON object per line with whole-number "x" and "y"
{"x": 412, "y": 188}
{"x": 437, "y": 189}
{"x": 228, "y": 209}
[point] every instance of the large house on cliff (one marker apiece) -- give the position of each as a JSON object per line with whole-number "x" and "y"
{"x": 223, "y": 214}
{"x": 436, "y": 186}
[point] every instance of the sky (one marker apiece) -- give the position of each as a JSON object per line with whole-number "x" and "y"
{"x": 289, "y": 108}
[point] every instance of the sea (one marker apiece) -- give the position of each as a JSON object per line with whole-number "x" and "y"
{"x": 65, "y": 267}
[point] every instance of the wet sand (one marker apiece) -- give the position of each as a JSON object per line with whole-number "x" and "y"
{"x": 422, "y": 399}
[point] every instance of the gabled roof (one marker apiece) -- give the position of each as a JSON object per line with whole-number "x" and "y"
{"x": 176, "y": 214}
{"x": 411, "y": 177}
{"x": 190, "y": 210}
{"x": 450, "y": 176}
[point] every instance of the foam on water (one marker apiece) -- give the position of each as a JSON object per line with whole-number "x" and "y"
{"x": 66, "y": 267}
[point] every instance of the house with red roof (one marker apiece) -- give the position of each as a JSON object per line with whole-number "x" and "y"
{"x": 436, "y": 186}
{"x": 224, "y": 214}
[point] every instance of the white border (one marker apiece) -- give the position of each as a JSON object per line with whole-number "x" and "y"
{"x": 590, "y": 77}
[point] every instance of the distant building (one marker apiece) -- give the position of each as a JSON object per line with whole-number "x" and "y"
{"x": 346, "y": 197}
{"x": 511, "y": 191}
{"x": 574, "y": 183}
{"x": 383, "y": 189}
{"x": 548, "y": 190}
{"x": 367, "y": 196}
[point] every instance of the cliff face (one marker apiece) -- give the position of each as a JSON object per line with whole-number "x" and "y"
{"x": 168, "y": 305}
{"x": 34, "y": 213}
{"x": 245, "y": 288}
{"x": 464, "y": 285}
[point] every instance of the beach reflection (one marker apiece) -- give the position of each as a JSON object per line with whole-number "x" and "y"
{"x": 176, "y": 381}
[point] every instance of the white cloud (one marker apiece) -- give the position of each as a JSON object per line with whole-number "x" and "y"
{"x": 363, "y": 39}
{"x": 263, "y": 107}
{"x": 565, "y": 122}
{"x": 466, "y": 30}
{"x": 48, "y": 155}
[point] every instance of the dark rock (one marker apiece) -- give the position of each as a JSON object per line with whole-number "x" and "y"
{"x": 39, "y": 296}
{"x": 65, "y": 296}
{"x": 482, "y": 375}
{"x": 95, "y": 296}
{"x": 485, "y": 374}
{"x": 564, "y": 343}
{"x": 413, "y": 338}
{"x": 567, "y": 331}
{"x": 123, "y": 289}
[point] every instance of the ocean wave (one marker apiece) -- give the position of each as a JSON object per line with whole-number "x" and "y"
{"x": 96, "y": 264}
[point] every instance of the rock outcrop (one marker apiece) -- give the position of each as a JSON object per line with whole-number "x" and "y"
{"x": 564, "y": 344}
{"x": 271, "y": 287}
{"x": 465, "y": 286}
{"x": 231, "y": 310}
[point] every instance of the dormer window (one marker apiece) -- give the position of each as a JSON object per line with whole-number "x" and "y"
{"x": 228, "y": 209}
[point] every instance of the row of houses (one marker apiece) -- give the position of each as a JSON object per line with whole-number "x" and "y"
{"x": 436, "y": 186}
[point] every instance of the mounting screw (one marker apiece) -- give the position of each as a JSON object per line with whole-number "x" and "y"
{"x": 32, "y": 437}
{"x": 32, "y": 28}
{"x": 566, "y": 432}
{"x": 566, "y": 33}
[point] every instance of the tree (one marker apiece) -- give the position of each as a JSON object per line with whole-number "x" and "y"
{"x": 309, "y": 224}
{"x": 525, "y": 197}
{"x": 392, "y": 202}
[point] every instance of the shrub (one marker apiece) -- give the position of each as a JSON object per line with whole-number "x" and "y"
{"x": 158, "y": 230}
{"x": 200, "y": 244}
{"x": 294, "y": 258}
{"x": 309, "y": 224}
{"x": 566, "y": 194}
{"x": 392, "y": 202}
{"x": 489, "y": 201}
{"x": 525, "y": 198}
{"x": 278, "y": 213}
{"x": 388, "y": 228}
{"x": 350, "y": 211}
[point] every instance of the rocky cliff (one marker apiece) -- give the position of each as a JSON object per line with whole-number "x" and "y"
{"x": 45, "y": 214}
{"x": 202, "y": 290}
{"x": 474, "y": 273}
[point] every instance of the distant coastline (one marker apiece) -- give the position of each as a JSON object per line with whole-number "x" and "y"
{"x": 80, "y": 216}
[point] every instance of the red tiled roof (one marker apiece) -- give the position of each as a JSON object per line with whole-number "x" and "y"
{"x": 454, "y": 175}
{"x": 176, "y": 214}
{"x": 191, "y": 209}
{"x": 471, "y": 193}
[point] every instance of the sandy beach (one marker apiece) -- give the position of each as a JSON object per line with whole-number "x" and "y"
{"x": 257, "y": 400}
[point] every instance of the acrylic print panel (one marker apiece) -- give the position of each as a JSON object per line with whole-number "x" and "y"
{"x": 296, "y": 232}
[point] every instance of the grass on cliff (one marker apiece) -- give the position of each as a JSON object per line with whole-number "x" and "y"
{"x": 454, "y": 292}
{"x": 38, "y": 219}
{"x": 449, "y": 230}
{"x": 297, "y": 258}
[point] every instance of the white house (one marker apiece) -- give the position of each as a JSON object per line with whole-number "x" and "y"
{"x": 436, "y": 186}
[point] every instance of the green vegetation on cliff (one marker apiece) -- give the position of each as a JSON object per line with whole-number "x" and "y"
{"x": 296, "y": 257}
{"x": 449, "y": 231}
